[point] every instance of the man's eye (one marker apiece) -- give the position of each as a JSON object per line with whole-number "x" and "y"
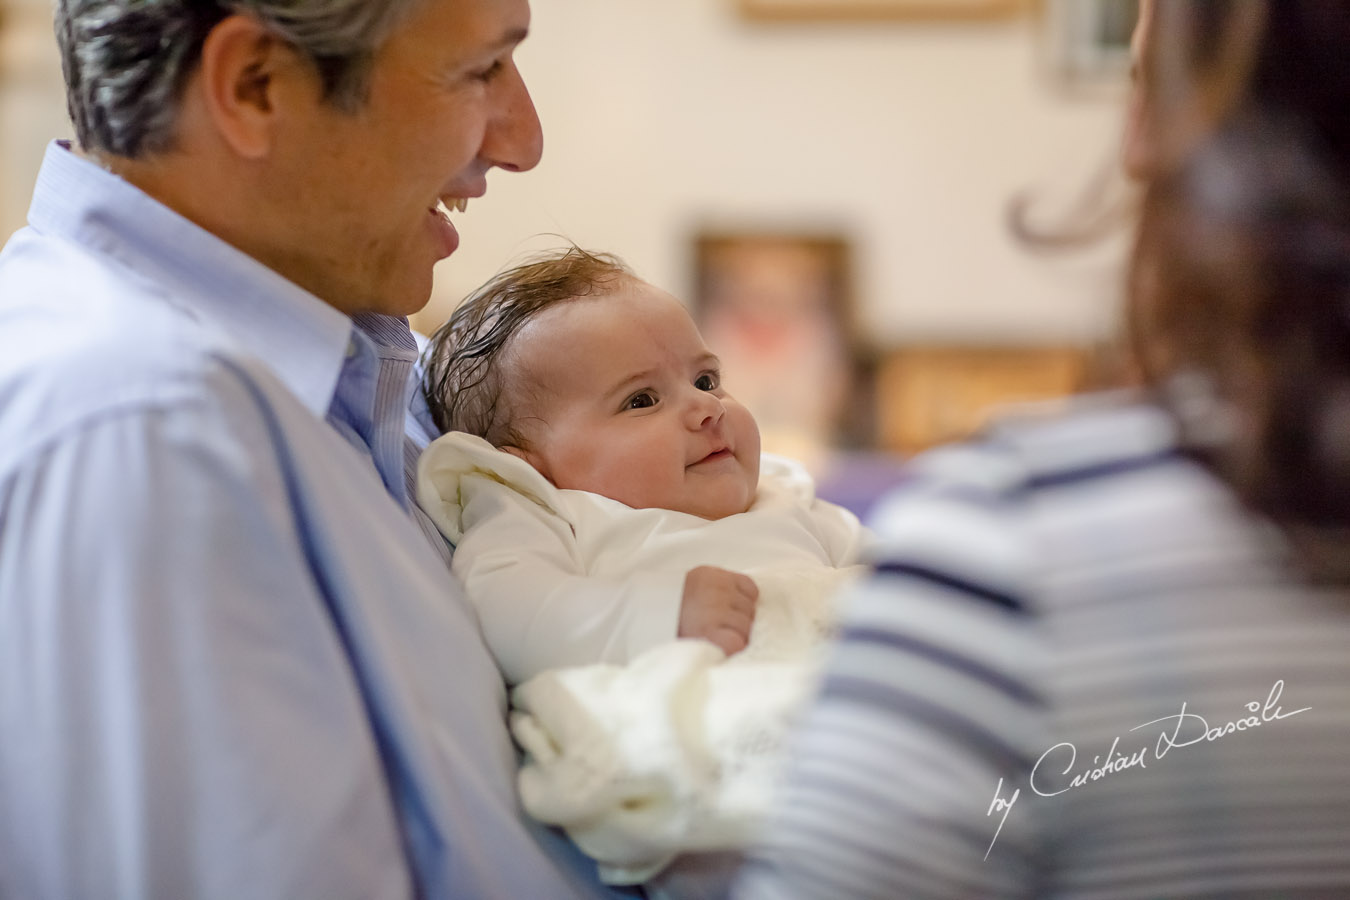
{"x": 708, "y": 381}
{"x": 489, "y": 73}
{"x": 640, "y": 401}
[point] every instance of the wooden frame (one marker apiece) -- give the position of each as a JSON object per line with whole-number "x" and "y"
{"x": 875, "y": 10}
{"x": 934, "y": 394}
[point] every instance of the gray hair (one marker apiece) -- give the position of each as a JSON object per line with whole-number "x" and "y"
{"x": 126, "y": 61}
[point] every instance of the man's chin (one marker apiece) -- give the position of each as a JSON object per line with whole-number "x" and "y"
{"x": 401, "y": 304}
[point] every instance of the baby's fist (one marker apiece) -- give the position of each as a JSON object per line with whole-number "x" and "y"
{"x": 718, "y": 606}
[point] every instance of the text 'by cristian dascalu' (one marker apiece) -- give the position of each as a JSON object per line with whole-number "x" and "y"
{"x": 1185, "y": 729}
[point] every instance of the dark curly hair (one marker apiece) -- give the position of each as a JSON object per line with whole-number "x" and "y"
{"x": 1240, "y": 296}
{"x": 463, "y": 383}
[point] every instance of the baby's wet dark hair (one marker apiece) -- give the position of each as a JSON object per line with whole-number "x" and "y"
{"x": 464, "y": 383}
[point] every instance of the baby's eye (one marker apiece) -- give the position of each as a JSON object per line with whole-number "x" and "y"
{"x": 708, "y": 381}
{"x": 641, "y": 400}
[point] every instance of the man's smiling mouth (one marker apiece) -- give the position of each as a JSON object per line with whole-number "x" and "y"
{"x": 446, "y": 205}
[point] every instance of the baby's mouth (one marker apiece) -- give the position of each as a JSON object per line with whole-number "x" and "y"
{"x": 715, "y": 456}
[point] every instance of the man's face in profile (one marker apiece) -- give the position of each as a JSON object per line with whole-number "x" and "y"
{"x": 446, "y": 104}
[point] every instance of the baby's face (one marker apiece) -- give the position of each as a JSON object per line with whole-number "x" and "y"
{"x": 623, "y": 399}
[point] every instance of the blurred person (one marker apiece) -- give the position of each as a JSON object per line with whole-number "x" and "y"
{"x": 1137, "y": 155}
{"x": 1107, "y": 201}
{"x": 225, "y": 630}
{"x": 1107, "y": 653}
{"x": 1103, "y": 209}
{"x": 606, "y": 497}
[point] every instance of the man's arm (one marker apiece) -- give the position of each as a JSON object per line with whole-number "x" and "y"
{"x": 180, "y": 719}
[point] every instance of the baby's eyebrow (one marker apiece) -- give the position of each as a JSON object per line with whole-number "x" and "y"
{"x": 630, "y": 382}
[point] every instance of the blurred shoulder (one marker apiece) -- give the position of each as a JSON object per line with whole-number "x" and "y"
{"x": 1034, "y": 446}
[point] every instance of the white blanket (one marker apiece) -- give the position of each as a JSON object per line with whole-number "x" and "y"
{"x": 678, "y": 750}
{"x": 641, "y": 746}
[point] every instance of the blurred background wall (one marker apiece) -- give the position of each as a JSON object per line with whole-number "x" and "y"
{"x": 665, "y": 120}
{"x": 32, "y": 104}
{"x": 666, "y": 116}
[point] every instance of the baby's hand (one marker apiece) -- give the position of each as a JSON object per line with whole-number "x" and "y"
{"x": 719, "y": 606}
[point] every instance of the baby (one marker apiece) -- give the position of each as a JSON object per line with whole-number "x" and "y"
{"x": 606, "y": 497}
{"x": 638, "y": 461}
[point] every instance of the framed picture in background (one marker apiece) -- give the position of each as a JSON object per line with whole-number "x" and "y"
{"x": 875, "y": 10}
{"x": 780, "y": 311}
{"x": 778, "y": 308}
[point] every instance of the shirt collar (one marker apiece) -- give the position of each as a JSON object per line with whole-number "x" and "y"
{"x": 295, "y": 334}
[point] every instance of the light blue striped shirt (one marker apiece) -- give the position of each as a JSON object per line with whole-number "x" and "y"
{"x": 233, "y": 662}
{"x": 1080, "y": 671}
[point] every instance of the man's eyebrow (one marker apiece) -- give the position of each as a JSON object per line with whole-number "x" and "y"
{"x": 510, "y": 39}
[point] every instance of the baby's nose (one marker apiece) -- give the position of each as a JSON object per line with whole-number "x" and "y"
{"x": 705, "y": 410}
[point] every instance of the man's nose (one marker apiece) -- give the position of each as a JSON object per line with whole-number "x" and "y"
{"x": 514, "y": 139}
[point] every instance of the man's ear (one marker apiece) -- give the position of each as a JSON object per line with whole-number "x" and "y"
{"x": 241, "y": 66}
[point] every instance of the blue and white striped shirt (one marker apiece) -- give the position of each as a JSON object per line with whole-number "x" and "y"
{"x": 233, "y": 662}
{"x": 1056, "y": 610}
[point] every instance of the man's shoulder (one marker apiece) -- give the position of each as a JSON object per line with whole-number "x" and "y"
{"x": 82, "y": 339}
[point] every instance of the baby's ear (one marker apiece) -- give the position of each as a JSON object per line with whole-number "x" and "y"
{"x": 534, "y": 459}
